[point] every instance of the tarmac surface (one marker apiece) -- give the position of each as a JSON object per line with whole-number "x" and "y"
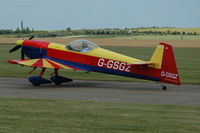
{"x": 103, "y": 91}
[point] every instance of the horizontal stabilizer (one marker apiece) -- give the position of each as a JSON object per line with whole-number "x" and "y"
{"x": 142, "y": 63}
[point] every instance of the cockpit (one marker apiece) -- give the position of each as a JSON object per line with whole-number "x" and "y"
{"x": 82, "y": 46}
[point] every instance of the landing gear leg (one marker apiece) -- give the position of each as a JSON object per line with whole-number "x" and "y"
{"x": 55, "y": 78}
{"x": 42, "y": 72}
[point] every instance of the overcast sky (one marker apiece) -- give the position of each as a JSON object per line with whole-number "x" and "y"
{"x": 90, "y": 14}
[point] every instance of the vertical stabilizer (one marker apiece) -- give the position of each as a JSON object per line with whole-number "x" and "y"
{"x": 164, "y": 60}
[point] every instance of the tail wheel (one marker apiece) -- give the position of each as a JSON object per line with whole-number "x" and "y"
{"x": 164, "y": 88}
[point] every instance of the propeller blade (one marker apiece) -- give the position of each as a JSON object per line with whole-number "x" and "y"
{"x": 15, "y": 48}
{"x": 22, "y": 54}
{"x": 31, "y": 37}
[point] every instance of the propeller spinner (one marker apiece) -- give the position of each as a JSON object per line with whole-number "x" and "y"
{"x": 19, "y": 45}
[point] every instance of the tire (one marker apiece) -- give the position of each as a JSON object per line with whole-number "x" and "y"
{"x": 164, "y": 88}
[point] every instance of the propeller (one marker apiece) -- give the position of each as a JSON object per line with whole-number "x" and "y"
{"x": 18, "y": 46}
{"x": 31, "y": 37}
{"x": 22, "y": 54}
{"x": 15, "y": 48}
{"x": 19, "y": 43}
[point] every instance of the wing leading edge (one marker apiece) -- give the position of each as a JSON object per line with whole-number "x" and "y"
{"x": 42, "y": 62}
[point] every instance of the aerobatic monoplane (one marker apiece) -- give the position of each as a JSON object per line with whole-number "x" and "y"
{"x": 88, "y": 56}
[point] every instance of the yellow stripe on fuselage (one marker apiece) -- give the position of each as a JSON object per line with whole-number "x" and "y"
{"x": 57, "y": 46}
{"x": 99, "y": 52}
{"x": 104, "y": 53}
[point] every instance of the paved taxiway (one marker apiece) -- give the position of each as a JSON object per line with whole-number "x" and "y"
{"x": 103, "y": 91}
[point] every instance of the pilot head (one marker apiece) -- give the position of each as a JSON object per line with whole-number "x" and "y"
{"x": 85, "y": 45}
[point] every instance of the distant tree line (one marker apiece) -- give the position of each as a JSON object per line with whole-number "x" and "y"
{"x": 18, "y": 30}
{"x": 106, "y": 31}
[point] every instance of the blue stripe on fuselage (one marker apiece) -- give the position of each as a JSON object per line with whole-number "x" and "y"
{"x": 103, "y": 70}
{"x": 33, "y": 52}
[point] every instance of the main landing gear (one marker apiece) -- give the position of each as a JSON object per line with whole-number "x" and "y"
{"x": 58, "y": 80}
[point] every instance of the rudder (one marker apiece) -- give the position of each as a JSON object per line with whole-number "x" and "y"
{"x": 164, "y": 60}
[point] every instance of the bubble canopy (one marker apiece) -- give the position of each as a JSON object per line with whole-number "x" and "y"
{"x": 81, "y": 46}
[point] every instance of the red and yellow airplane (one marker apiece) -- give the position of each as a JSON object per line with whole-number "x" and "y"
{"x": 87, "y": 56}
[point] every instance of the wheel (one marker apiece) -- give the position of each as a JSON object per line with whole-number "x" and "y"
{"x": 164, "y": 88}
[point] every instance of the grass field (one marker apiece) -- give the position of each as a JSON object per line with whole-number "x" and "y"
{"x": 187, "y": 30}
{"x": 58, "y": 116}
{"x": 187, "y": 59}
{"x": 145, "y": 37}
{"x": 131, "y": 41}
{"x": 164, "y": 37}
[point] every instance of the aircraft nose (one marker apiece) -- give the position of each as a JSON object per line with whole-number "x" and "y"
{"x": 18, "y": 46}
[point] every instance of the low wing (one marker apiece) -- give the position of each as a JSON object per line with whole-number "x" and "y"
{"x": 43, "y": 63}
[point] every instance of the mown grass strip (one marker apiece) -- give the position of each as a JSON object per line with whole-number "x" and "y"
{"x": 50, "y": 116}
